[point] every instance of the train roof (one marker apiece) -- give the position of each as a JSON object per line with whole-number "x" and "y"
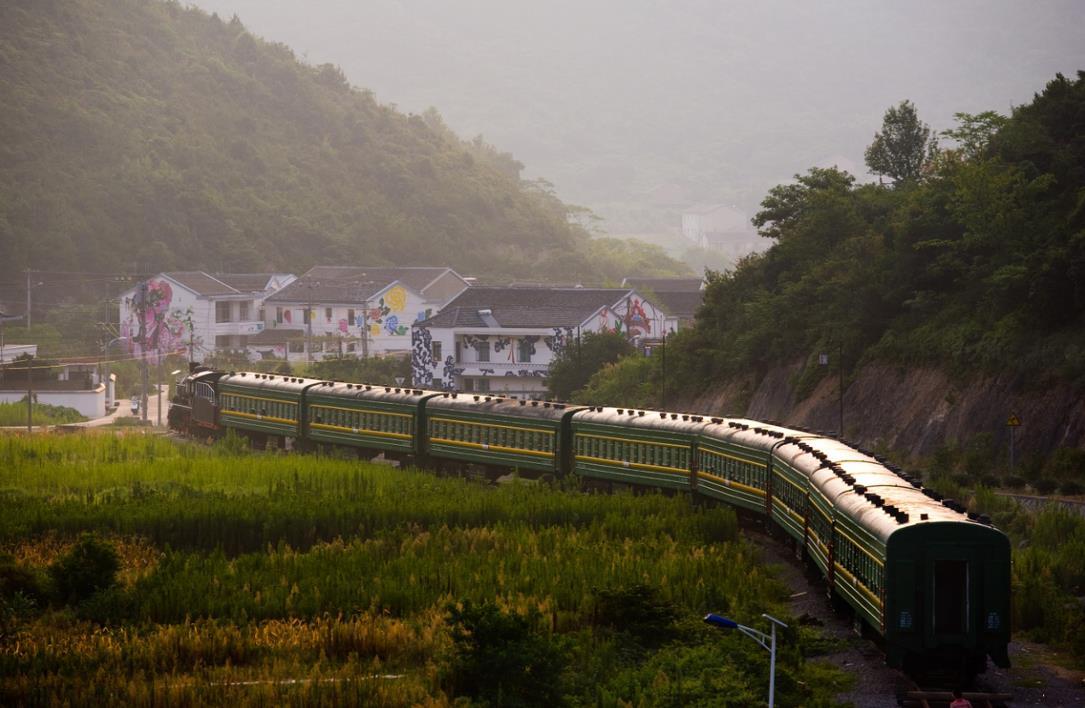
{"x": 489, "y": 404}
{"x": 686, "y": 423}
{"x": 868, "y": 492}
{"x": 372, "y": 392}
{"x": 268, "y": 382}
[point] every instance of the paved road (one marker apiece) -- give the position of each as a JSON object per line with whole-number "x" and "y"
{"x": 124, "y": 410}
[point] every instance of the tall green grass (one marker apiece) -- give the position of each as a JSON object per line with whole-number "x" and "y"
{"x": 270, "y": 568}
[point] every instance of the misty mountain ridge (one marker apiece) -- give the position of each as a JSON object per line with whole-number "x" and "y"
{"x": 154, "y": 136}
{"x": 610, "y": 99}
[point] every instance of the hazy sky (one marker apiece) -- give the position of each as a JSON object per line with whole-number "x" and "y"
{"x": 609, "y": 99}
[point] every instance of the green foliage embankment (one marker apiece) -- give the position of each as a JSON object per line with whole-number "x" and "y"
{"x": 309, "y": 579}
{"x": 977, "y": 265}
{"x": 153, "y": 136}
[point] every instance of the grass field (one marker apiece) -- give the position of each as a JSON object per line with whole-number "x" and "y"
{"x": 262, "y": 579}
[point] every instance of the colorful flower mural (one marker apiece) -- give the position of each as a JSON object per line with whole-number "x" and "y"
{"x": 163, "y": 330}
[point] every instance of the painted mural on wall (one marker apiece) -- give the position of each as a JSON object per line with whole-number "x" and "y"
{"x": 388, "y": 316}
{"x": 422, "y": 362}
{"x": 560, "y": 340}
{"x": 631, "y": 319}
{"x": 164, "y": 329}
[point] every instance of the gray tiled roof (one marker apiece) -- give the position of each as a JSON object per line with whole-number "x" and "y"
{"x": 245, "y": 282}
{"x": 679, "y": 304}
{"x": 525, "y": 307}
{"x": 201, "y": 283}
{"x": 665, "y": 285}
{"x": 353, "y": 284}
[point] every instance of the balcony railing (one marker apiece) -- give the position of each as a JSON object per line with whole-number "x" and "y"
{"x": 246, "y": 327}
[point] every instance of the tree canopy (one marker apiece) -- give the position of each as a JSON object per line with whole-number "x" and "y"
{"x": 980, "y": 266}
{"x": 903, "y": 147}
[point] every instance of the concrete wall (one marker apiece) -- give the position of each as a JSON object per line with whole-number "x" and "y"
{"x": 89, "y": 403}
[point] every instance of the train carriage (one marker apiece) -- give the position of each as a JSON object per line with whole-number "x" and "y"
{"x": 733, "y": 462}
{"x": 259, "y": 404}
{"x": 630, "y": 446}
{"x": 498, "y": 433}
{"x": 370, "y": 418}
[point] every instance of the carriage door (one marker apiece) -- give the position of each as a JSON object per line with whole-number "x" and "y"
{"x": 950, "y": 594}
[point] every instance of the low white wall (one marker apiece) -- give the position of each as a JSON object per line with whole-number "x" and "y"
{"x": 89, "y": 403}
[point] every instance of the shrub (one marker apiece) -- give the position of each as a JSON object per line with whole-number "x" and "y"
{"x": 91, "y": 565}
{"x": 636, "y": 610}
{"x": 1014, "y": 482}
{"x": 964, "y": 480}
{"x": 990, "y": 481}
{"x": 501, "y": 659}
{"x": 1071, "y": 489}
{"x": 17, "y": 578}
{"x": 1067, "y": 463}
{"x": 1045, "y": 486}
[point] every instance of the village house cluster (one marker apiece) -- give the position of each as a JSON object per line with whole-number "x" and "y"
{"x": 459, "y": 335}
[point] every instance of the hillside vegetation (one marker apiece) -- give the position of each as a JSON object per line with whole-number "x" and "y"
{"x": 976, "y": 266}
{"x": 150, "y": 135}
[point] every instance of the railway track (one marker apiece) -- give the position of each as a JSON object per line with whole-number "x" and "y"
{"x": 1036, "y": 503}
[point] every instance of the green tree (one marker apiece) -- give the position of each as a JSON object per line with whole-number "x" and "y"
{"x": 91, "y": 565}
{"x": 903, "y": 147}
{"x": 575, "y": 365}
{"x": 974, "y": 132}
{"x": 502, "y": 659}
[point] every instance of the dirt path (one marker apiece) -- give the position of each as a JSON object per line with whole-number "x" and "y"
{"x": 1036, "y": 679}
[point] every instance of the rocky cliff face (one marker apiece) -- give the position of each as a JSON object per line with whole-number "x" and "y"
{"x": 910, "y": 410}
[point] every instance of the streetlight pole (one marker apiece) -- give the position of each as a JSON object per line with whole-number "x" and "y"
{"x": 767, "y": 642}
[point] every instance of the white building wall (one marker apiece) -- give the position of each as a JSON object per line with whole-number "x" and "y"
{"x": 170, "y": 307}
{"x": 633, "y": 316}
{"x": 388, "y": 320}
{"x": 91, "y": 404}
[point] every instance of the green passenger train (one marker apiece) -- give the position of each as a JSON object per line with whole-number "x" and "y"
{"x": 931, "y": 579}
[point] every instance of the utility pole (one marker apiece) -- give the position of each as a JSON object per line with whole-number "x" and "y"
{"x": 309, "y": 326}
{"x": 840, "y": 366}
{"x": 28, "y": 298}
{"x": 365, "y": 329}
{"x": 144, "y": 373}
{"x": 29, "y": 395}
{"x": 663, "y": 379}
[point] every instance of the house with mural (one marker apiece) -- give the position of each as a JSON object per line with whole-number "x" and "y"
{"x": 196, "y": 312}
{"x": 356, "y": 311}
{"x": 502, "y": 339}
{"x": 679, "y": 298}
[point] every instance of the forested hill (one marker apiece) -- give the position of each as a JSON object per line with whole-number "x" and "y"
{"x": 977, "y": 265}
{"x": 144, "y": 135}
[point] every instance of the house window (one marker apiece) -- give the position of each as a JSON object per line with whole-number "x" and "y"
{"x": 279, "y": 315}
{"x": 468, "y": 385}
{"x": 483, "y": 349}
{"x": 222, "y": 341}
{"x": 296, "y": 346}
{"x": 437, "y": 351}
{"x": 222, "y": 312}
{"x": 243, "y": 312}
{"x": 327, "y": 314}
{"x": 351, "y": 347}
{"x": 525, "y": 351}
{"x": 482, "y": 385}
{"x": 459, "y": 352}
{"x": 305, "y": 313}
{"x": 350, "y": 317}
{"x": 438, "y": 384}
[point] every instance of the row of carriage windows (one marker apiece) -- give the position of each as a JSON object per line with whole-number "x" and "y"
{"x": 819, "y": 524}
{"x": 752, "y": 474}
{"x": 860, "y": 564}
{"x": 362, "y": 420}
{"x": 540, "y": 440}
{"x": 638, "y": 453}
{"x": 259, "y": 406}
{"x": 791, "y": 495}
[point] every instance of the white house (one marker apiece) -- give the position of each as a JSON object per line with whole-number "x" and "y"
{"x": 75, "y": 383}
{"x": 679, "y": 298}
{"x": 356, "y": 311}
{"x": 502, "y": 339}
{"x": 720, "y": 227}
{"x": 196, "y": 312}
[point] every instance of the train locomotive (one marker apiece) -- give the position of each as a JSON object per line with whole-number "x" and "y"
{"x": 931, "y": 580}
